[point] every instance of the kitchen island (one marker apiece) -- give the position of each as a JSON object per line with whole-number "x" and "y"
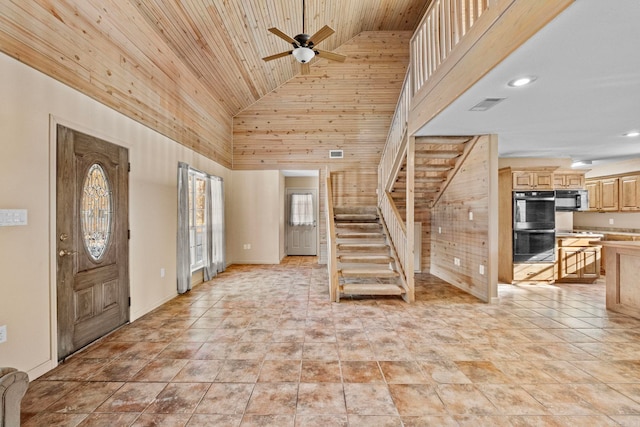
{"x": 623, "y": 269}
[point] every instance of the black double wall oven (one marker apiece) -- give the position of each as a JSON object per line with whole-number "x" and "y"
{"x": 534, "y": 235}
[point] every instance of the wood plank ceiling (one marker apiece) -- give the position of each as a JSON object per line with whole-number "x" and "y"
{"x": 225, "y": 40}
{"x": 183, "y": 68}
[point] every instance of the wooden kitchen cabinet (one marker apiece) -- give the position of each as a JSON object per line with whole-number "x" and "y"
{"x": 603, "y": 194}
{"x": 629, "y": 237}
{"x": 630, "y": 193}
{"x": 568, "y": 181}
{"x": 534, "y": 272}
{"x": 532, "y": 180}
{"x": 578, "y": 261}
{"x": 594, "y": 190}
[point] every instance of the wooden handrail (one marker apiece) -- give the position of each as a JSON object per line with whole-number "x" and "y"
{"x": 396, "y": 135}
{"x": 394, "y": 253}
{"x": 334, "y": 294}
{"x": 441, "y": 29}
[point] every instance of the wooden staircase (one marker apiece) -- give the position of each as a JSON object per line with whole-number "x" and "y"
{"x": 436, "y": 160}
{"x": 366, "y": 263}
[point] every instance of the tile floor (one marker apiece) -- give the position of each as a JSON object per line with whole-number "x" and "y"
{"x": 262, "y": 346}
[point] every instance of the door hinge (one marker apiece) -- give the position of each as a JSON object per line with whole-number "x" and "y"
{"x": 129, "y": 301}
{"x": 128, "y": 234}
{"x": 129, "y": 167}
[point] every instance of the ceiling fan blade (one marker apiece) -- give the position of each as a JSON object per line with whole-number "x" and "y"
{"x": 330, "y": 55}
{"x": 283, "y": 36}
{"x": 321, "y": 34}
{"x": 277, "y": 55}
{"x": 305, "y": 69}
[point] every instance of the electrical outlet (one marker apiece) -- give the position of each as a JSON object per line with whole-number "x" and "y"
{"x": 610, "y": 221}
{"x": 162, "y": 272}
{"x": 246, "y": 246}
{"x": 456, "y": 261}
{"x": 481, "y": 269}
{"x": 439, "y": 230}
{"x": 3, "y": 333}
{"x": 470, "y": 216}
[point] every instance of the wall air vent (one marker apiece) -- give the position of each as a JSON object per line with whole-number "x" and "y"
{"x": 486, "y": 104}
{"x": 336, "y": 154}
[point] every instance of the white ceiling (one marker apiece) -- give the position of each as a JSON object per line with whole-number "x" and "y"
{"x": 587, "y": 92}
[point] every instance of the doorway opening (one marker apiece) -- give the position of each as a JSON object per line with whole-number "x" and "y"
{"x": 301, "y": 213}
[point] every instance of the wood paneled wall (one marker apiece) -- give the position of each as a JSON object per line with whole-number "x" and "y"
{"x": 107, "y": 51}
{"x": 345, "y": 106}
{"x": 462, "y": 238}
{"x": 423, "y": 216}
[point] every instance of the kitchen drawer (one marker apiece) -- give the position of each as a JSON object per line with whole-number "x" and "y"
{"x": 534, "y": 272}
{"x": 576, "y": 241}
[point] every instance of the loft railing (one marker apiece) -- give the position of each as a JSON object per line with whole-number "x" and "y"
{"x": 331, "y": 241}
{"x": 395, "y": 137}
{"x": 441, "y": 29}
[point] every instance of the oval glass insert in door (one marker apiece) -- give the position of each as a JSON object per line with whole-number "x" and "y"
{"x": 96, "y": 213}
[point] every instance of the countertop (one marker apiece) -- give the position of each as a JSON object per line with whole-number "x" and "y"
{"x": 619, "y": 244}
{"x": 586, "y": 234}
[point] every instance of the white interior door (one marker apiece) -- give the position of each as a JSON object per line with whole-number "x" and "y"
{"x": 302, "y": 234}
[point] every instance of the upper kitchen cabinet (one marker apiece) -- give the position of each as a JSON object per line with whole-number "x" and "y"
{"x": 630, "y": 193}
{"x": 532, "y": 180}
{"x": 568, "y": 180}
{"x": 603, "y": 194}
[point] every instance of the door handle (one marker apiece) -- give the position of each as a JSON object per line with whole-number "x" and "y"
{"x": 64, "y": 252}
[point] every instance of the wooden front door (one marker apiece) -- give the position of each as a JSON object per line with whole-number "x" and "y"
{"x": 92, "y": 239}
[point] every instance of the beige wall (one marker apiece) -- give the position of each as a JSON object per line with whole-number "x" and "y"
{"x": 301, "y": 182}
{"x": 29, "y": 103}
{"x": 256, "y": 209}
{"x": 283, "y": 215}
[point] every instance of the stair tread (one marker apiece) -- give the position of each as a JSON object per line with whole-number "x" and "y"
{"x": 356, "y": 217}
{"x": 359, "y": 235}
{"x": 364, "y": 245}
{"x": 373, "y": 259}
{"x": 372, "y": 289}
{"x": 368, "y": 272}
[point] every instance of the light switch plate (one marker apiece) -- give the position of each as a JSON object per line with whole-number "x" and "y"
{"x": 10, "y": 217}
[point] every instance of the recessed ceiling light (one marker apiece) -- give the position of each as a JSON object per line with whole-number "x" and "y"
{"x": 522, "y": 81}
{"x": 631, "y": 134}
{"x": 578, "y": 163}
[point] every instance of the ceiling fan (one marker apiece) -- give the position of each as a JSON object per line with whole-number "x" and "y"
{"x": 304, "y": 46}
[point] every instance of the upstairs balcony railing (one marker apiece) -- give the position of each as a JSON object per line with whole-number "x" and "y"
{"x": 441, "y": 29}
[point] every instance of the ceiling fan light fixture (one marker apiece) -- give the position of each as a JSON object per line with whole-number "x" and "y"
{"x": 631, "y": 134}
{"x": 303, "y": 54}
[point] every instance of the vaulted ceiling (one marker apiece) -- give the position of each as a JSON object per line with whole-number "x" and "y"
{"x": 222, "y": 42}
{"x": 183, "y": 68}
